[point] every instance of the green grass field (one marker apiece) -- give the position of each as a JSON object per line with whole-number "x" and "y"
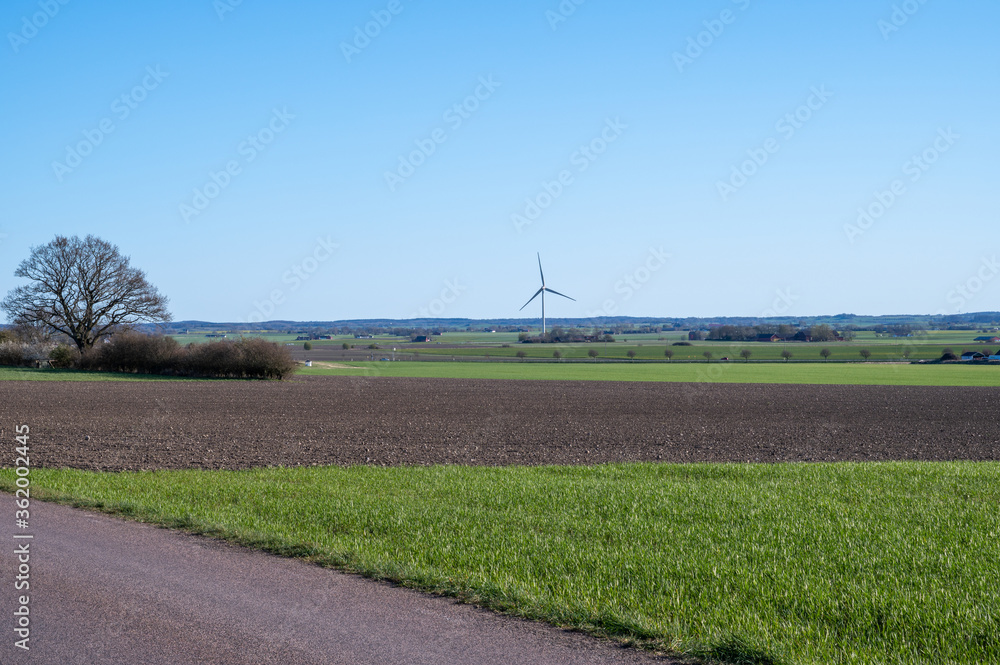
{"x": 716, "y": 372}
{"x": 31, "y": 374}
{"x": 839, "y": 352}
{"x": 765, "y": 564}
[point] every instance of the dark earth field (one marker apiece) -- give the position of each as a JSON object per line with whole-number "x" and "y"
{"x": 397, "y": 421}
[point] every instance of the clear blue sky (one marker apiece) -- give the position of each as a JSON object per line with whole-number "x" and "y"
{"x": 644, "y": 125}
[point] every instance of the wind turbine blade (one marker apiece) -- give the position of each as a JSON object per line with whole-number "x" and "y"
{"x": 532, "y": 298}
{"x": 540, "y": 269}
{"x": 559, "y": 294}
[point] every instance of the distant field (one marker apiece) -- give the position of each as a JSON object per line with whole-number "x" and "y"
{"x": 654, "y": 350}
{"x": 200, "y": 338}
{"x": 716, "y": 372}
{"x": 645, "y": 346}
{"x": 762, "y": 564}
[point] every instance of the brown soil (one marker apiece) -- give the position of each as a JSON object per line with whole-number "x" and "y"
{"x": 355, "y": 420}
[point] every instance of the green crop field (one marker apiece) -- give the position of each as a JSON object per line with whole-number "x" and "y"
{"x": 904, "y": 374}
{"x": 796, "y": 563}
{"x": 801, "y": 351}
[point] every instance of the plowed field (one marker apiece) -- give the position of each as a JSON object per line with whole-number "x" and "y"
{"x": 349, "y": 420}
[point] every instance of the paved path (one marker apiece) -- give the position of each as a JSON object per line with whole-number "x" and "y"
{"x": 110, "y": 591}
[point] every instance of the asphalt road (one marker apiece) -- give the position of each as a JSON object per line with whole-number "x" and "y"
{"x": 105, "y": 590}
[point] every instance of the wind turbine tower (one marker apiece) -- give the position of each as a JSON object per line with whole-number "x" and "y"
{"x": 541, "y": 292}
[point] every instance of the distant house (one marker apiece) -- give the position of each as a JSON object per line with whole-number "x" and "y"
{"x": 696, "y": 335}
{"x": 972, "y": 355}
{"x": 802, "y": 336}
{"x": 222, "y": 335}
{"x": 987, "y": 338}
{"x": 421, "y": 338}
{"x": 768, "y": 338}
{"x": 995, "y": 356}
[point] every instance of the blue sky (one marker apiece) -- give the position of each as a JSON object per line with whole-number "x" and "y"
{"x": 268, "y": 160}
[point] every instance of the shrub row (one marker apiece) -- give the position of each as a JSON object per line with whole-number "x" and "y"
{"x": 23, "y": 354}
{"x": 248, "y": 358}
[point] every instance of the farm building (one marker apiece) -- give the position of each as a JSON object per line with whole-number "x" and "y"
{"x": 972, "y": 355}
{"x": 987, "y": 338}
{"x": 768, "y": 338}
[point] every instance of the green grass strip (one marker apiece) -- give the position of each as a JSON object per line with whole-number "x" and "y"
{"x": 715, "y": 372}
{"x": 32, "y": 374}
{"x": 798, "y": 563}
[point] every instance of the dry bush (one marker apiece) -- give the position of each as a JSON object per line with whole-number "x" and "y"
{"x": 23, "y": 354}
{"x": 261, "y": 359}
{"x": 249, "y": 358}
{"x": 134, "y": 353}
{"x": 213, "y": 359}
{"x": 137, "y": 353}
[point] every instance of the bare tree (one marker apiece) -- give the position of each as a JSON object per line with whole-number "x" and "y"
{"x": 521, "y": 355}
{"x": 745, "y": 354}
{"x": 708, "y": 356}
{"x": 668, "y": 354}
{"x": 631, "y": 354}
{"x": 83, "y": 289}
{"x": 593, "y": 354}
{"x": 786, "y": 354}
{"x": 825, "y": 353}
{"x": 557, "y": 355}
{"x": 866, "y": 354}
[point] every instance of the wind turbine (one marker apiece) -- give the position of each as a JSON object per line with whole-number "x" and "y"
{"x": 542, "y": 292}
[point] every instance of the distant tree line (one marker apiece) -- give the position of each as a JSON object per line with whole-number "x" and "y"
{"x": 559, "y": 335}
{"x": 785, "y": 332}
